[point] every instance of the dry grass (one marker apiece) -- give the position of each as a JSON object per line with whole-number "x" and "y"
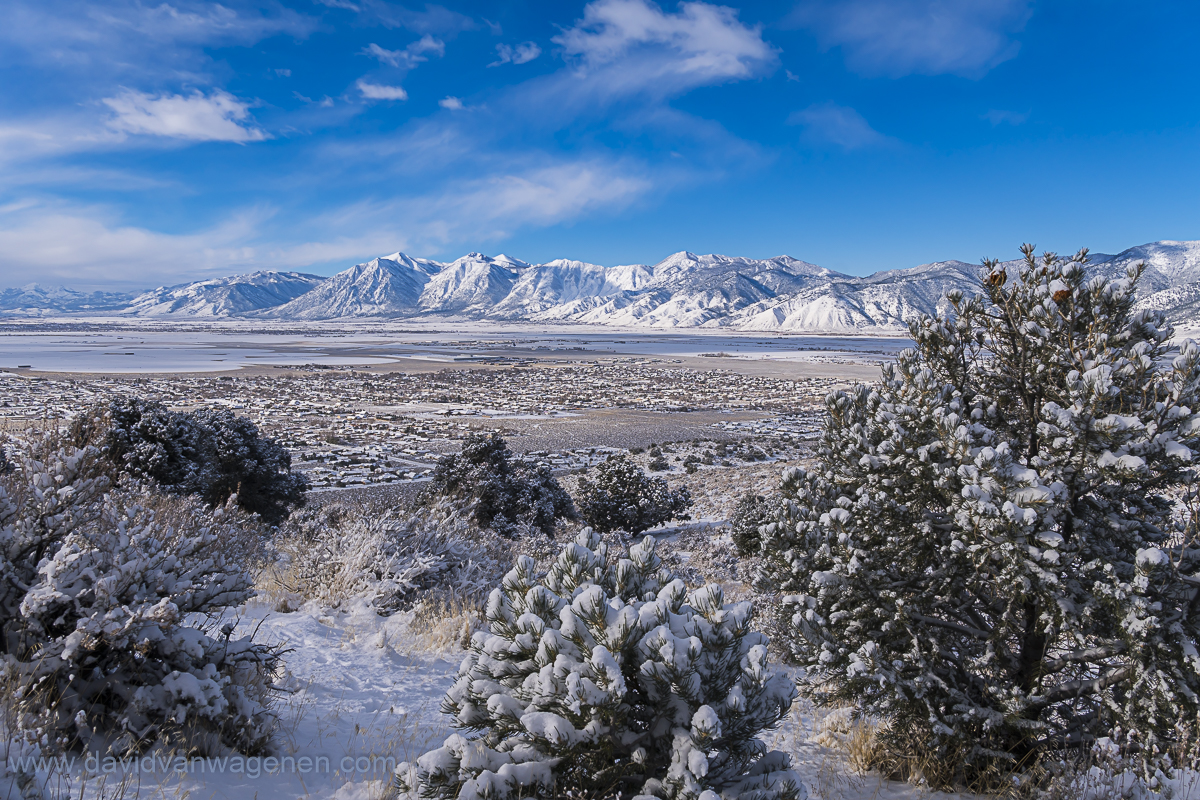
{"x": 444, "y": 624}
{"x": 867, "y": 746}
{"x": 394, "y": 558}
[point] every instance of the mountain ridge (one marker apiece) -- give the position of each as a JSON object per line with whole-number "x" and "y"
{"x": 683, "y": 290}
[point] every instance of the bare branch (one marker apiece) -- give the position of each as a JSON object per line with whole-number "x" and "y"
{"x": 1080, "y": 688}
{"x": 1091, "y": 654}
{"x": 954, "y": 626}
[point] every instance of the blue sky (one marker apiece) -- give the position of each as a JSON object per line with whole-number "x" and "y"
{"x": 156, "y": 142}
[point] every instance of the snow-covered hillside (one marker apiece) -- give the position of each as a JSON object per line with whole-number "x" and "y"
{"x": 224, "y": 297}
{"x": 387, "y": 286}
{"x": 684, "y": 290}
{"x": 471, "y": 285}
{"x": 1172, "y": 279}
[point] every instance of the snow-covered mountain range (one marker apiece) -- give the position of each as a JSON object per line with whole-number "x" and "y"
{"x": 684, "y": 290}
{"x": 224, "y": 297}
{"x": 37, "y": 300}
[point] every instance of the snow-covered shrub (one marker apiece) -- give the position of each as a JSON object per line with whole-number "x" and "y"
{"x": 212, "y": 453}
{"x": 503, "y": 492}
{"x": 992, "y": 552}
{"x": 109, "y": 600}
{"x": 606, "y": 676}
{"x": 391, "y": 556}
{"x": 622, "y": 497}
{"x": 1107, "y": 772}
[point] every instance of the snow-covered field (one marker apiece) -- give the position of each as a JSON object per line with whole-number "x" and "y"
{"x": 362, "y": 694}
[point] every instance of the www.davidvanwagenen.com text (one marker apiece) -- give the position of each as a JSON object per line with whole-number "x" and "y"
{"x": 167, "y": 764}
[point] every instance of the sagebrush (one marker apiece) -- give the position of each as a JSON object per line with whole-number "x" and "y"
{"x": 111, "y": 608}
{"x": 622, "y": 497}
{"x": 394, "y": 557}
{"x": 500, "y": 490}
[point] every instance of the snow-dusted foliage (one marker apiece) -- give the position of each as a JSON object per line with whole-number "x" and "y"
{"x": 751, "y": 513}
{"x": 108, "y": 604}
{"x": 607, "y": 676}
{"x": 211, "y": 452}
{"x": 334, "y": 552}
{"x": 994, "y": 551}
{"x": 504, "y": 492}
{"x": 624, "y": 498}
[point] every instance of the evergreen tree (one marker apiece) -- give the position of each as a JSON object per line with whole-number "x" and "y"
{"x": 997, "y": 550}
{"x": 212, "y": 453}
{"x": 752, "y": 512}
{"x": 503, "y": 491}
{"x": 606, "y": 677}
{"x": 624, "y": 498}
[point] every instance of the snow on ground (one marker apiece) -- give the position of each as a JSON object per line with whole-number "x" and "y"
{"x": 363, "y": 693}
{"x": 367, "y": 687}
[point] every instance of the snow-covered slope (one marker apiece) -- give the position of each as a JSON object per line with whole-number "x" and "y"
{"x": 684, "y": 290}
{"x": 471, "y": 285}
{"x": 1168, "y": 264}
{"x": 1171, "y": 282}
{"x": 885, "y": 300}
{"x": 779, "y": 294}
{"x": 224, "y": 297}
{"x": 387, "y": 286}
{"x": 551, "y": 287}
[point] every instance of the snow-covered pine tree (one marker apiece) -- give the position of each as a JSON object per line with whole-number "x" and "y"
{"x": 500, "y": 490}
{"x": 210, "y": 452}
{"x": 108, "y": 600}
{"x": 993, "y": 550}
{"x": 622, "y": 497}
{"x": 607, "y": 676}
{"x": 751, "y": 513}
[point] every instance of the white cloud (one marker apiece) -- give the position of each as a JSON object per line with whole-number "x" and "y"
{"x": 924, "y": 37}
{"x": 537, "y": 196}
{"x": 451, "y": 103}
{"x": 383, "y": 56}
{"x": 90, "y": 247}
{"x": 521, "y": 54}
{"x": 433, "y": 19}
{"x": 829, "y": 123}
{"x": 218, "y": 116}
{"x": 410, "y": 56}
{"x": 86, "y": 246}
{"x": 324, "y": 102}
{"x": 132, "y": 40}
{"x": 522, "y": 192}
{"x": 376, "y": 91}
{"x": 635, "y": 46}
